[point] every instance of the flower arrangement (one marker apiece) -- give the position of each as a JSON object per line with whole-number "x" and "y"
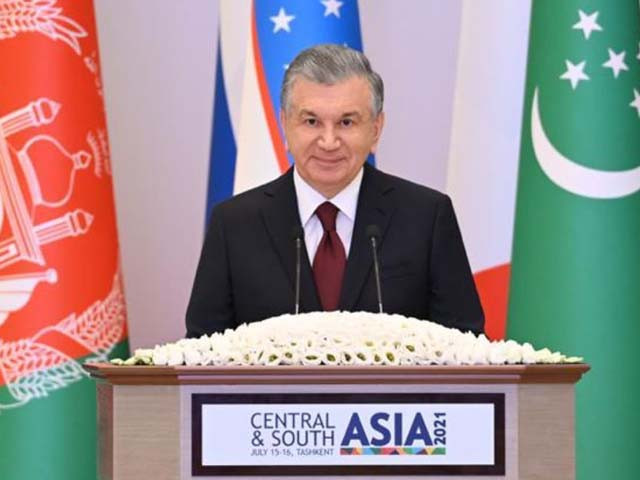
{"x": 343, "y": 338}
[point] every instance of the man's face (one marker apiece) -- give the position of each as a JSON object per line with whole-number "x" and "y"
{"x": 330, "y": 130}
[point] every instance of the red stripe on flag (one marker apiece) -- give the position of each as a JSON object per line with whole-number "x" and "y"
{"x": 493, "y": 288}
{"x": 270, "y": 114}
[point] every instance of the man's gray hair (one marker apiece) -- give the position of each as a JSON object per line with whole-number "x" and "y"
{"x": 329, "y": 64}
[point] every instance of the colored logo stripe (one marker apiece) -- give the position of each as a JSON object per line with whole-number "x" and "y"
{"x": 394, "y": 451}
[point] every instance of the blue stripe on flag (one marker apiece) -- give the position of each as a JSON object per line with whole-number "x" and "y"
{"x": 223, "y": 145}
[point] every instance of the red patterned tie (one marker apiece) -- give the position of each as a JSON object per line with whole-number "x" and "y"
{"x": 330, "y": 259}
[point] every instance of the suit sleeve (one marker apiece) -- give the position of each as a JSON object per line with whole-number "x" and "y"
{"x": 454, "y": 299}
{"x": 211, "y": 305}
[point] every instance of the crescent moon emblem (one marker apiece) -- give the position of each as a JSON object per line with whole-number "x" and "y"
{"x": 575, "y": 178}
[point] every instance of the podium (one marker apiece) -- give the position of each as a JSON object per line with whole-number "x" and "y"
{"x": 353, "y": 422}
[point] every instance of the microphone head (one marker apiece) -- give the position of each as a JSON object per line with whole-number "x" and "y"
{"x": 297, "y": 232}
{"x": 373, "y": 231}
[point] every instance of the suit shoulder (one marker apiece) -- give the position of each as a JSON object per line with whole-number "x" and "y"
{"x": 248, "y": 201}
{"x": 411, "y": 190}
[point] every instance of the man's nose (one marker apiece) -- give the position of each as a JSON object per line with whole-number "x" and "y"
{"x": 328, "y": 139}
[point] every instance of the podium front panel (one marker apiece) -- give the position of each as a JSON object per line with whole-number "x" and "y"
{"x": 146, "y": 415}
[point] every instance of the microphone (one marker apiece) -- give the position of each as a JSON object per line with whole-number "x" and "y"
{"x": 373, "y": 233}
{"x": 297, "y": 233}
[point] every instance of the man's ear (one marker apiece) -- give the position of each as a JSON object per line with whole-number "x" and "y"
{"x": 378, "y": 124}
{"x": 283, "y": 125}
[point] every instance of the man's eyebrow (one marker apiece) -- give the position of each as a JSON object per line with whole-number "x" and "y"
{"x": 304, "y": 112}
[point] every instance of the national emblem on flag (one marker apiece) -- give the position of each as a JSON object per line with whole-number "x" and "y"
{"x": 61, "y": 294}
{"x": 576, "y": 262}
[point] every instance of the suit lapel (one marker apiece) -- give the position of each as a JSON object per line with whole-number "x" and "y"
{"x": 374, "y": 208}
{"x": 280, "y": 214}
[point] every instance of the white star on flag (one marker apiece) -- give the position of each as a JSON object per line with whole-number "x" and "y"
{"x": 281, "y": 21}
{"x": 587, "y": 23}
{"x": 332, "y": 7}
{"x": 574, "y": 73}
{"x": 616, "y": 62}
{"x": 636, "y": 101}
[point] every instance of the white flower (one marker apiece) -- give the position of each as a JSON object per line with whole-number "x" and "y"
{"x": 448, "y": 357}
{"x": 497, "y": 353}
{"x": 217, "y": 358}
{"x": 543, "y": 356}
{"x": 160, "y": 355}
{"x": 463, "y": 355}
{"x": 528, "y": 354}
{"x": 513, "y": 352}
{"x": 347, "y": 357}
{"x": 363, "y": 356}
{"x": 290, "y": 356}
{"x": 390, "y": 357}
{"x": 192, "y": 356}
{"x": 343, "y": 338}
{"x": 377, "y": 358}
{"x": 143, "y": 352}
{"x": 573, "y": 359}
{"x": 203, "y": 344}
{"x": 271, "y": 357}
{"x": 174, "y": 355}
{"x": 331, "y": 357}
{"x": 479, "y": 353}
{"x": 230, "y": 357}
{"x": 311, "y": 357}
{"x": 208, "y": 358}
{"x": 407, "y": 360}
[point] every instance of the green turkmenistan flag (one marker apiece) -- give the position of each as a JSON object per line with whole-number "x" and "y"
{"x": 575, "y": 282}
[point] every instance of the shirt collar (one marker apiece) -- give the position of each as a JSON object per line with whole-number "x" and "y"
{"x": 309, "y": 199}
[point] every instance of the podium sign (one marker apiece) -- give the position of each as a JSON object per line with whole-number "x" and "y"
{"x": 348, "y": 434}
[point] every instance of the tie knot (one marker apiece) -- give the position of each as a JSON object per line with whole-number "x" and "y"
{"x": 327, "y": 213}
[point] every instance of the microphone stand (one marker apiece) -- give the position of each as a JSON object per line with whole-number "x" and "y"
{"x": 373, "y": 232}
{"x": 297, "y": 233}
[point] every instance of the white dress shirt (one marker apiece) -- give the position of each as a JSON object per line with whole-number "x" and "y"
{"x": 309, "y": 200}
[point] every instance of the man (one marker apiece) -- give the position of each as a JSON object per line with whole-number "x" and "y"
{"x": 331, "y": 114}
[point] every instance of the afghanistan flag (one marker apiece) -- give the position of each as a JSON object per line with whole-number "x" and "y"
{"x": 575, "y": 282}
{"x": 61, "y": 297}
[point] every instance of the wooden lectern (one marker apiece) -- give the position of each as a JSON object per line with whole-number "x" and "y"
{"x": 184, "y": 422}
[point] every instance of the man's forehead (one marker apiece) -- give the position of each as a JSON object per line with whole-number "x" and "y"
{"x": 351, "y": 95}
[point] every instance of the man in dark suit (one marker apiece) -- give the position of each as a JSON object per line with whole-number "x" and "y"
{"x": 331, "y": 114}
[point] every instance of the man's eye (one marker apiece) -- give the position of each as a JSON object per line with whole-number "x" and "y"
{"x": 312, "y": 122}
{"x": 346, "y": 122}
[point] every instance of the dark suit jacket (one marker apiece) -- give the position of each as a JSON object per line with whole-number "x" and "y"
{"x": 246, "y": 269}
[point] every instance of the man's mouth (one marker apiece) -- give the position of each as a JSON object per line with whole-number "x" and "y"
{"x": 328, "y": 160}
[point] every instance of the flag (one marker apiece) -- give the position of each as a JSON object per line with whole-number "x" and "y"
{"x": 61, "y": 294}
{"x": 247, "y": 140}
{"x": 485, "y": 138}
{"x": 575, "y": 282}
